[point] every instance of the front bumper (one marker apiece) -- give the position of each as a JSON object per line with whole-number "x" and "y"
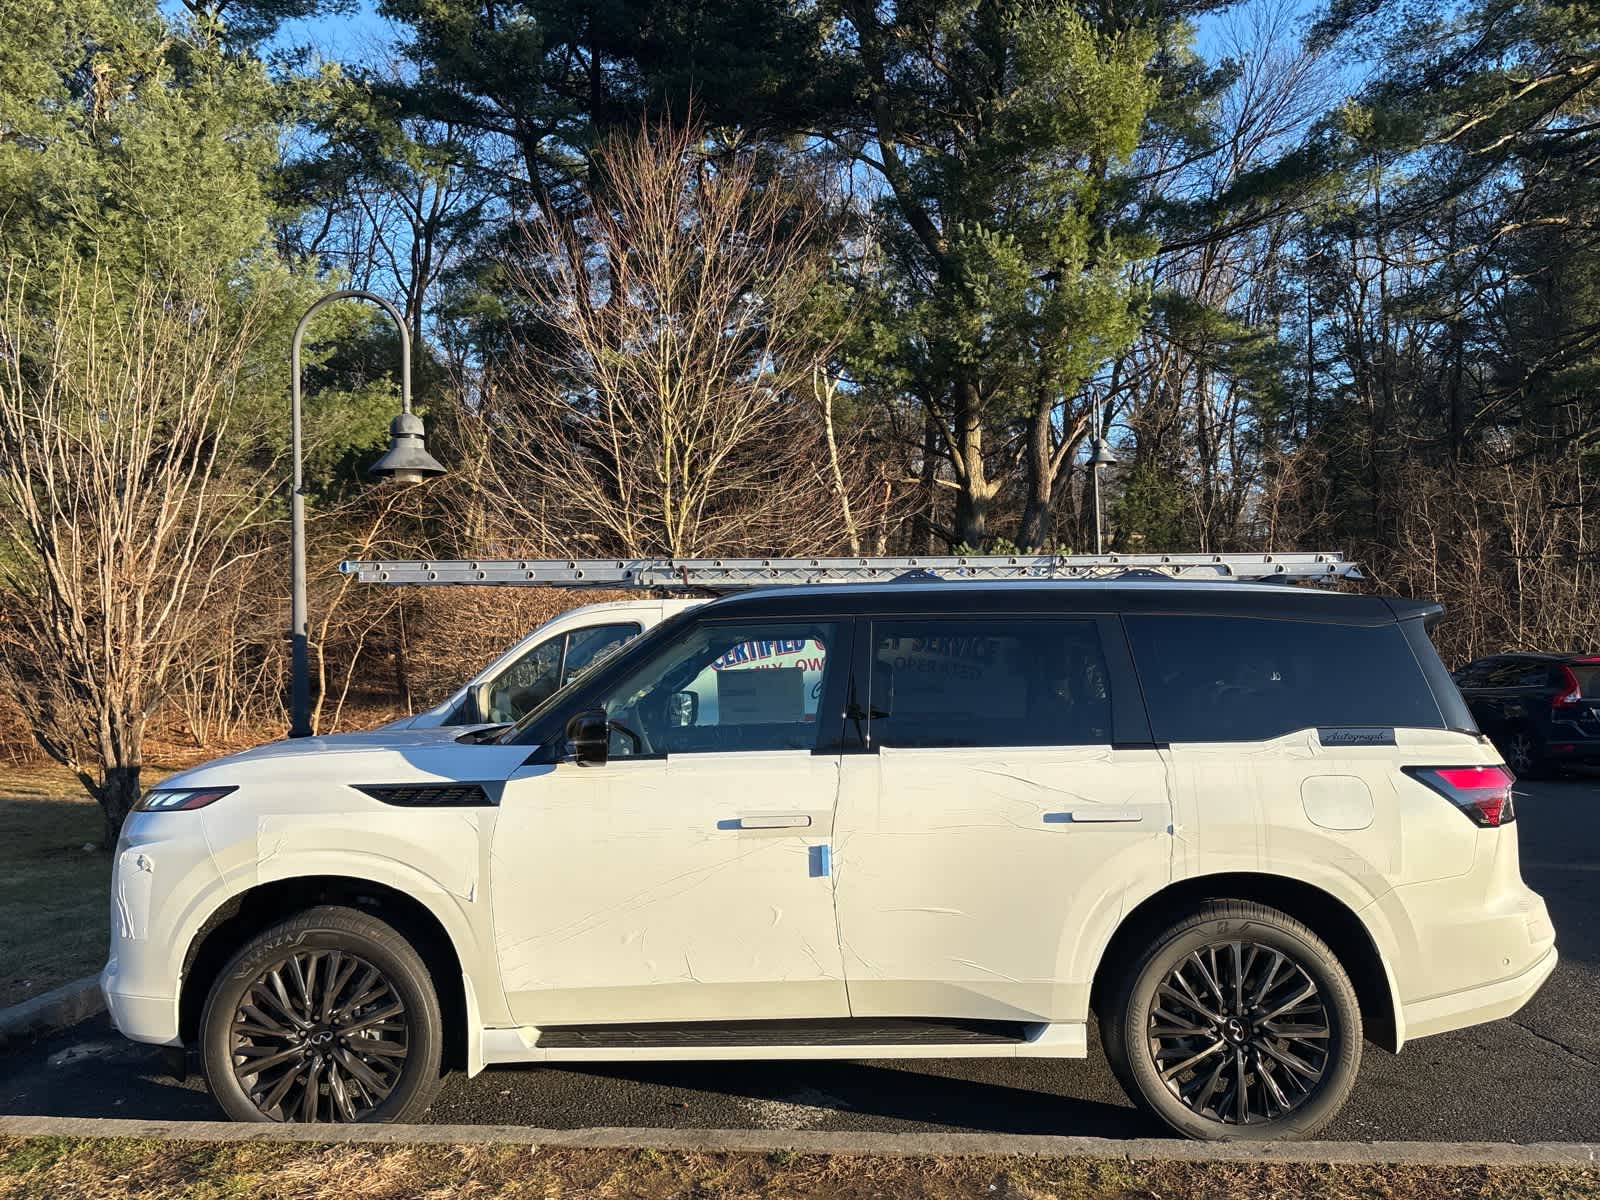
{"x": 152, "y": 1019}
{"x": 163, "y": 884}
{"x": 1473, "y": 1006}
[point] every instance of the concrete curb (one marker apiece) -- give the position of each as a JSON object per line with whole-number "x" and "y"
{"x": 727, "y": 1141}
{"x": 55, "y": 1010}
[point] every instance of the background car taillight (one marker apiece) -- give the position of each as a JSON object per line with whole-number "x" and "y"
{"x": 1482, "y": 793}
{"x": 1571, "y": 694}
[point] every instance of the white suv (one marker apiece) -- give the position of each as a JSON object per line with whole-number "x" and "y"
{"x": 1249, "y": 827}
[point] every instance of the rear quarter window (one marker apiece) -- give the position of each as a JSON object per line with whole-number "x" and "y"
{"x": 1246, "y": 679}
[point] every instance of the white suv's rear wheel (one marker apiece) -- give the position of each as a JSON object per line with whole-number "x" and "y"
{"x": 328, "y": 1017}
{"x": 1237, "y": 1023}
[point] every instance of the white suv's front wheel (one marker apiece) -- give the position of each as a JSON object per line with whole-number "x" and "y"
{"x": 330, "y": 1016}
{"x": 1237, "y": 1023}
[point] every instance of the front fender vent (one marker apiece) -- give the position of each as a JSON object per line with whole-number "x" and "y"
{"x": 428, "y": 795}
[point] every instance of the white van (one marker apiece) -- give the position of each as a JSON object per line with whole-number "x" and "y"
{"x": 547, "y": 659}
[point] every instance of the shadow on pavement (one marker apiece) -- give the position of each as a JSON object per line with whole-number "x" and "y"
{"x": 879, "y": 1095}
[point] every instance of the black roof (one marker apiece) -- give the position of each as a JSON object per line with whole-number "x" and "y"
{"x": 961, "y": 597}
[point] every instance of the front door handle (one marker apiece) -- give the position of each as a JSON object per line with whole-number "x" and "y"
{"x": 1093, "y": 815}
{"x": 791, "y": 821}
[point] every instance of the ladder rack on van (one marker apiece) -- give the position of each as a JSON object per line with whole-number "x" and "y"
{"x": 733, "y": 574}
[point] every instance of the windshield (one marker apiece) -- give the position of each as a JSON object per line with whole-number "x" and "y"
{"x": 513, "y": 733}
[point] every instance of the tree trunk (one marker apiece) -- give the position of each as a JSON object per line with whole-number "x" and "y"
{"x": 402, "y": 660}
{"x": 824, "y": 390}
{"x": 929, "y": 482}
{"x": 973, "y": 490}
{"x": 1036, "y": 514}
{"x": 118, "y": 792}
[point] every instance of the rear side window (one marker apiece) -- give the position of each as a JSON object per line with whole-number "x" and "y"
{"x": 988, "y": 682}
{"x": 1246, "y": 679}
{"x": 1520, "y": 672}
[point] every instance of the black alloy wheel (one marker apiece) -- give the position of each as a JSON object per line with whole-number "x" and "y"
{"x": 319, "y": 1036}
{"x": 330, "y": 1016}
{"x": 1236, "y": 1022}
{"x": 1240, "y": 1033}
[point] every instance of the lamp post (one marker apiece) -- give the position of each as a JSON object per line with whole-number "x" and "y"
{"x": 407, "y": 461}
{"x": 1100, "y": 456}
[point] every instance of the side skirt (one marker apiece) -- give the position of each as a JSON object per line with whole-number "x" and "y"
{"x": 529, "y": 1044}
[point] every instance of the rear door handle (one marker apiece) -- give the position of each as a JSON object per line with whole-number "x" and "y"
{"x": 791, "y": 821}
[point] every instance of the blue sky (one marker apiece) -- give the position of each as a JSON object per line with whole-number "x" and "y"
{"x": 345, "y": 38}
{"x": 360, "y": 35}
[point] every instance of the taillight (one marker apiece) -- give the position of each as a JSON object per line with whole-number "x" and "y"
{"x": 1482, "y": 793}
{"x": 1570, "y": 694}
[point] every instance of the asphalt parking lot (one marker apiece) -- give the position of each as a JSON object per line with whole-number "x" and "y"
{"x": 1535, "y": 1077}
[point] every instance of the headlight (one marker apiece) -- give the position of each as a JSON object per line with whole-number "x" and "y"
{"x": 180, "y": 799}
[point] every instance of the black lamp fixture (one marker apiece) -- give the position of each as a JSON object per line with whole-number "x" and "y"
{"x": 407, "y": 460}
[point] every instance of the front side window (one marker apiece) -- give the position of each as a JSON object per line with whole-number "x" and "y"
{"x": 585, "y": 647}
{"x": 552, "y": 664}
{"x": 723, "y": 688}
{"x": 525, "y": 683}
{"x": 1243, "y": 679}
{"x": 987, "y": 681}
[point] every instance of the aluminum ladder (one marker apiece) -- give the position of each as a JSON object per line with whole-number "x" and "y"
{"x": 733, "y": 574}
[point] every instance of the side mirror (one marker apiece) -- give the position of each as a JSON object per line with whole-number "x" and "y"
{"x": 480, "y": 703}
{"x": 589, "y": 737}
{"x": 683, "y": 710}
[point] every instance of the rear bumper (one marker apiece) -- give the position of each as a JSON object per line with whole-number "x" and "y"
{"x": 1557, "y": 750}
{"x": 1474, "y": 1006}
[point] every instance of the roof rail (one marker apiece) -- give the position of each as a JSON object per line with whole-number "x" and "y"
{"x": 733, "y": 574}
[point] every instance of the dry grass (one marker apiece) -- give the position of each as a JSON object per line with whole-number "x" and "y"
{"x": 53, "y": 901}
{"x": 92, "y": 1169}
{"x": 53, "y": 893}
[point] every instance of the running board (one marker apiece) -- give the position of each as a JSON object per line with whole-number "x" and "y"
{"x": 841, "y": 1032}
{"x": 785, "y": 1039}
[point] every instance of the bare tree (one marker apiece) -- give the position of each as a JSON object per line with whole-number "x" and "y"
{"x": 117, "y": 508}
{"x": 665, "y": 405}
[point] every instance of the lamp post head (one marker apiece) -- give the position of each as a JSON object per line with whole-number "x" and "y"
{"x": 1101, "y": 455}
{"x": 407, "y": 460}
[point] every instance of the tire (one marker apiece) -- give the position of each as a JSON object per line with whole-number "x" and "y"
{"x": 1301, "y": 1106}
{"x": 345, "y": 1035}
{"x": 1520, "y": 752}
